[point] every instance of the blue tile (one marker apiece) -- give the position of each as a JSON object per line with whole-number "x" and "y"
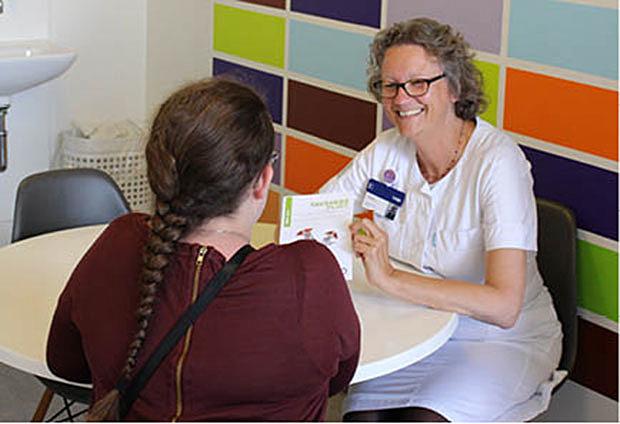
{"x": 567, "y": 35}
{"x": 329, "y": 54}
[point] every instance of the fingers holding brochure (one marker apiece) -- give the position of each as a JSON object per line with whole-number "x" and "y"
{"x": 370, "y": 242}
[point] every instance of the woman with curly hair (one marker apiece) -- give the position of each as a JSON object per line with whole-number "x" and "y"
{"x": 282, "y": 334}
{"x": 458, "y": 205}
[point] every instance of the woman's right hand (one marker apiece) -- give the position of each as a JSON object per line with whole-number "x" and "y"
{"x": 370, "y": 242}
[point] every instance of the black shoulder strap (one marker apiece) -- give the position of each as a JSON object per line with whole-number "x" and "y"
{"x": 129, "y": 389}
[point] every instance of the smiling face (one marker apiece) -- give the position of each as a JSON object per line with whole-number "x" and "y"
{"x": 415, "y": 116}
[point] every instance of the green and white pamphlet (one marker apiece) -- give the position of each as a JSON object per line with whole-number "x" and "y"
{"x": 322, "y": 217}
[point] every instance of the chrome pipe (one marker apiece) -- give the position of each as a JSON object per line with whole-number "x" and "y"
{"x": 3, "y": 138}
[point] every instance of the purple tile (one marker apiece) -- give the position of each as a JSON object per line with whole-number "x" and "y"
{"x": 268, "y": 85}
{"x": 276, "y": 165}
{"x": 591, "y": 192}
{"x": 478, "y": 20}
{"x": 367, "y": 12}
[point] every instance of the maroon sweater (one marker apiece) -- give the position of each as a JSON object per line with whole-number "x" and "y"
{"x": 279, "y": 338}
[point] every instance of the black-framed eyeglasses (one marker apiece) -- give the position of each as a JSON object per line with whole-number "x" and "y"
{"x": 413, "y": 88}
{"x": 275, "y": 155}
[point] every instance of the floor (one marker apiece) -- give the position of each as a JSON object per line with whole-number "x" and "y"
{"x": 20, "y": 393}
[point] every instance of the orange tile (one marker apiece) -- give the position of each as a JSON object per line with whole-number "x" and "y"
{"x": 308, "y": 166}
{"x": 271, "y": 214}
{"x": 567, "y": 113}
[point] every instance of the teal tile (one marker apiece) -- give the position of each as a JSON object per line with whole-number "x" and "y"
{"x": 329, "y": 54}
{"x": 567, "y": 35}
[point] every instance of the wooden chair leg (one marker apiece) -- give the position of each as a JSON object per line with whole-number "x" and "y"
{"x": 44, "y": 404}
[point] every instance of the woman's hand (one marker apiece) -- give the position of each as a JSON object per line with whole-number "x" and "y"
{"x": 498, "y": 301}
{"x": 370, "y": 242}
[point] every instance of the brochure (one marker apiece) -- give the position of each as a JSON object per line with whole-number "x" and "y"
{"x": 321, "y": 217}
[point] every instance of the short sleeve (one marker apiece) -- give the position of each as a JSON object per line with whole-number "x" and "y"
{"x": 331, "y": 329}
{"x": 346, "y": 332}
{"x": 65, "y": 355}
{"x": 508, "y": 203}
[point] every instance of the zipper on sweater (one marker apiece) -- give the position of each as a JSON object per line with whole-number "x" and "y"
{"x": 188, "y": 335}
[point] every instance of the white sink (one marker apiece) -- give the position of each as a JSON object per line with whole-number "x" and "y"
{"x": 24, "y": 64}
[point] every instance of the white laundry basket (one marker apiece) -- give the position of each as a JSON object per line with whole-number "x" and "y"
{"x": 123, "y": 160}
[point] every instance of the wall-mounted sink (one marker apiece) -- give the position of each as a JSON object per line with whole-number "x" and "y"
{"x": 24, "y": 64}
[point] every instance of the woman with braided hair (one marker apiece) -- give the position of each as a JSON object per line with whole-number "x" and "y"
{"x": 280, "y": 337}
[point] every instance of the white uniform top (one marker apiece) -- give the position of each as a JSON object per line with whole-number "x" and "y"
{"x": 485, "y": 202}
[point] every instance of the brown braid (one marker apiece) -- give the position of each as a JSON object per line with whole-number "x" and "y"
{"x": 208, "y": 143}
{"x": 166, "y": 228}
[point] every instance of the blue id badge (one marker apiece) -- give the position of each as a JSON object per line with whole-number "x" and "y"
{"x": 383, "y": 199}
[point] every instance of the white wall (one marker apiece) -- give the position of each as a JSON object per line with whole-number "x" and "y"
{"x": 24, "y": 19}
{"x": 30, "y": 115}
{"x": 131, "y": 55}
{"x": 178, "y": 46}
{"x": 107, "y": 82}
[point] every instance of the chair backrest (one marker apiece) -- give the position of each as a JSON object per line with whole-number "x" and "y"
{"x": 65, "y": 198}
{"x": 557, "y": 246}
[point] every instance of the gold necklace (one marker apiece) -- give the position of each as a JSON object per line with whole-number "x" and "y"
{"x": 453, "y": 161}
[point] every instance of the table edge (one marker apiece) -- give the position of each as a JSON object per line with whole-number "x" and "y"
{"x": 30, "y": 366}
{"x": 386, "y": 366}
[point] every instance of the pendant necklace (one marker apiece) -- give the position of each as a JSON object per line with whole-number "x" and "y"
{"x": 453, "y": 160}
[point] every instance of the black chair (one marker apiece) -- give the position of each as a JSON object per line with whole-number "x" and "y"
{"x": 57, "y": 200}
{"x": 65, "y": 198}
{"x": 557, "y": 247}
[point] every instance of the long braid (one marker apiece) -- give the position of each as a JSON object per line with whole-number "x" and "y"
{"x": 166, "y": 228}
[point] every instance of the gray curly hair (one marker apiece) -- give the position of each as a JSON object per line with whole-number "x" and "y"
{"x": 445, "y": 44}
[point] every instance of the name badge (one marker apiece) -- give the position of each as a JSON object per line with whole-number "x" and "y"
{"x": 383, "y": 199}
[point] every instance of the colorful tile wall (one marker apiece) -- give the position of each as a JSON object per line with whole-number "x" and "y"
{"x": 563, "y": 112}
{"x": 268, "y": 85}
{"x": 591, "y": 192}
{"x": 342, "y": 10}
{"x": 329, "y": 115}
{"x": 550, "y": 69}
{"x": 598, "y": 269}
{"x": 564, "y": 34}
{"x": 250, "y": 35}
{"x": 597, "y": 345}
{"x": 480, "y": 21}
{"x": 271, "y": 213}
{"x": 308, "y": 166}
{"x": 328, "y": 54}
{"x": 490, "y": 76}
{"x": 271, "y": 3}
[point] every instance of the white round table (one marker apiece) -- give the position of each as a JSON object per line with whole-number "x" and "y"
{"x": 34, "y": 271}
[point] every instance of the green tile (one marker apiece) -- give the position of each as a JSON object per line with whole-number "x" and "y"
{"x": 250, "y": 35}
{"x": 597, "y": 279}
{"x": 490, "y": 73}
